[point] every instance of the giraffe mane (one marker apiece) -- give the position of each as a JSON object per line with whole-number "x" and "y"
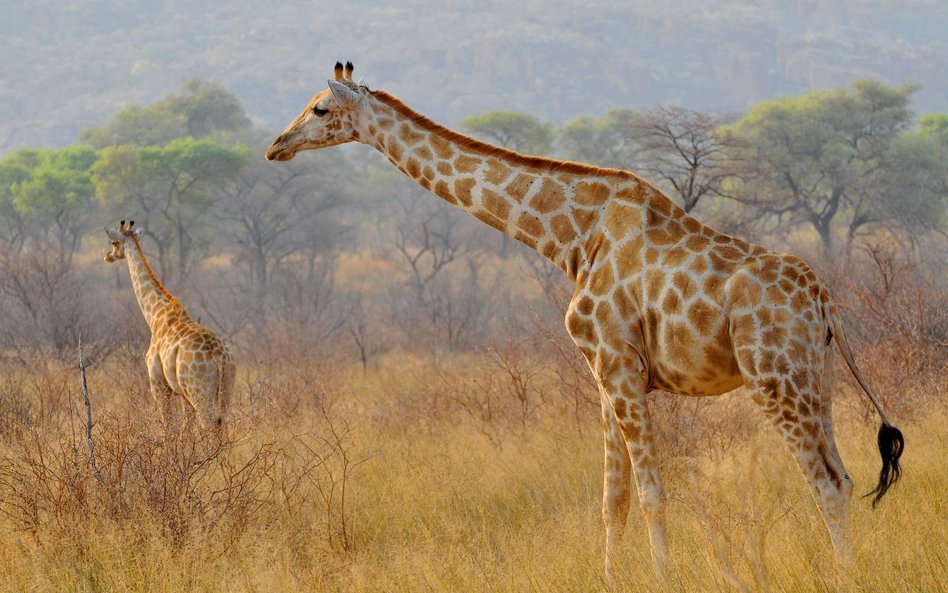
{"x": 492, "y": 150}
{"x": 151, "y": 274}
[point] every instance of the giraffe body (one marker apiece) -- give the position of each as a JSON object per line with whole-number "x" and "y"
{"x": 184, "y": 359}
{"x": 661, "y": 301}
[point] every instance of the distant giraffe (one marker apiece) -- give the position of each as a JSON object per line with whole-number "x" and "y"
{"x": 661, "y": 300}
{"x": 184, "y": 358}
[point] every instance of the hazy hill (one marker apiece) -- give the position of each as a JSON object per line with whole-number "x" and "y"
{"x": 65, "y": 66}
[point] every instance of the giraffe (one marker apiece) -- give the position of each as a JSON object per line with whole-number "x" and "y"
{"x": 184, "y": 358}
{"x": 661, "y": 301}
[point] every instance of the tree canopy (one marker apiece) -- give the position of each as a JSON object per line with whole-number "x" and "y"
{"x": 822, "y": 157}
{"x": 511, "y": 129}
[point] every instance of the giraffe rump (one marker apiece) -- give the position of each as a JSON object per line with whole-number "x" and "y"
{"x": 891, "y": 444}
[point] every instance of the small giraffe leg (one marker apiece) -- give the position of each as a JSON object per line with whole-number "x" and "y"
{"x": 195, "y": 411}
{"x": 160, "y": 390}
{"x": 617, "y": 477}
{"x": 800, "y": 419}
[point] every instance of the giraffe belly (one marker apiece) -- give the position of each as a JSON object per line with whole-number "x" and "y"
{"x": 686, "y": 364}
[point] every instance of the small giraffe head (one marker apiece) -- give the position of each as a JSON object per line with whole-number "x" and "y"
{"x": 117, "y": 238}
{"x": 328, "y": 120}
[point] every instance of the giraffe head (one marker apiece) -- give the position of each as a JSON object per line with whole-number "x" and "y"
{"x": 117, "y": 238}
{"x": 328, "y": 119}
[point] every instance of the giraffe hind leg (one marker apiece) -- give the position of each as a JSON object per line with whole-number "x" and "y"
{"x": 802, "y": 419}
{"x": 827, "y": 389}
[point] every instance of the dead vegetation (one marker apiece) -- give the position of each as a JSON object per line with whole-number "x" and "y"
{"x": 347, "y": 464}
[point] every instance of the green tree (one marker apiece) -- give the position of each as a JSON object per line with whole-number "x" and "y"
{"x": 199, "y": 110}
{"x": 935, "y": 127}
{"x": 611, "y": 141}
{"x": 821, "y": 159}
{"x": 915, "y": 190}
{"x": 170, "y": 191}
{"x": 511, "y": 129}
{"x": 15, "y": 169}
{"x": 48, "y": 194}
{"x": 208, "y": 108}
{"x": 141, "y": 126}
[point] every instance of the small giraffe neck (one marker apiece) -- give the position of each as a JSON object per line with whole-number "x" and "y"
{"x": 551, "y": 206}
{"x": 153, "y": 298}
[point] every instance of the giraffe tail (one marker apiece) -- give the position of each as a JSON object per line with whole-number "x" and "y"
{"x": 225, "y": 382}
{"x": 890, "y": 440}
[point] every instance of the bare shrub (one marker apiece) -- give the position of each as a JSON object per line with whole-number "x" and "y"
{"x": 703, "y": 426}
{"x": 47, "y": 302}
{"x": 897, "y": 305}
{"x": 316, "y": 469}
{"x": 16, "y": 410}
{"x": 738, "y": 534}
{"x": 185, "y": 481}
{"x": 506, "y": 396}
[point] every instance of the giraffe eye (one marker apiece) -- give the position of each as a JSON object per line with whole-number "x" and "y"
{"x": 320, "y": 112}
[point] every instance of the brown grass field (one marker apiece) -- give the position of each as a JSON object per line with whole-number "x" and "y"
{"x": 409, "y": 476}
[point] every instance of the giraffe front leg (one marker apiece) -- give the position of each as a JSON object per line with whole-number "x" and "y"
{"x": 639, "y": 436}
{"x": 623, "y": 382}
{"x": 629, "y": 434}
{"x": 161, "y": 391}
{"x": 617, "y": 476}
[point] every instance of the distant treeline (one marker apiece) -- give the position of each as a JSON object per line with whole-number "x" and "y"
{"x": 341, "y": 235}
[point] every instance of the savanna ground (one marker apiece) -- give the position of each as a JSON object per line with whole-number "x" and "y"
{"x": 471, "y": 471}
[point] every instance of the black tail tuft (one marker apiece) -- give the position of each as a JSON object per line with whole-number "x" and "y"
{"x": 891, "y": 445}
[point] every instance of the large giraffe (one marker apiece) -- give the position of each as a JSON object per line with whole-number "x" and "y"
{"x": 184, "y": 358}
{"x": 661, "y": 300}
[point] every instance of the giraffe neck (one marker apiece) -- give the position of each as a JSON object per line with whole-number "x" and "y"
{"x": 154, "y": 299}
{"x": 551, "y": 206}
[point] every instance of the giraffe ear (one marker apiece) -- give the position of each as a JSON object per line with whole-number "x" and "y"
{"x": 113, "y": 234}
{"x": 139, "y": 231}
{"x": 342, "y": 94}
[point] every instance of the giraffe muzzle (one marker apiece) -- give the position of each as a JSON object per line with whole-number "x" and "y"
{"x": 279, "y": 151}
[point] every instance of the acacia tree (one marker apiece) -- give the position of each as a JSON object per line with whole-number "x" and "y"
{"x": 48, "y": 195}
{"x": 199, "y": 110}
{"x": 914, "y": 193}
{"x": 47, "y": 205}
{"x": 820, "y": 159}
{"x": 207, "y": 108}
{"x": 440, "y": 252}
{"x": 170, "y": 189}
{"x": 611, "y": 141}
{"x": 138, "y": 125}
{"x": 511, "y": 129}
{"x": 279, "y": 220}
{"x": 681, "y": 150}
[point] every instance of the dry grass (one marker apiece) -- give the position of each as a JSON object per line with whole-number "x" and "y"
{"x": 395, "y": 479}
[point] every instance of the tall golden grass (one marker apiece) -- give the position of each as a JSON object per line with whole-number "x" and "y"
{"x": 467, "y": 475}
